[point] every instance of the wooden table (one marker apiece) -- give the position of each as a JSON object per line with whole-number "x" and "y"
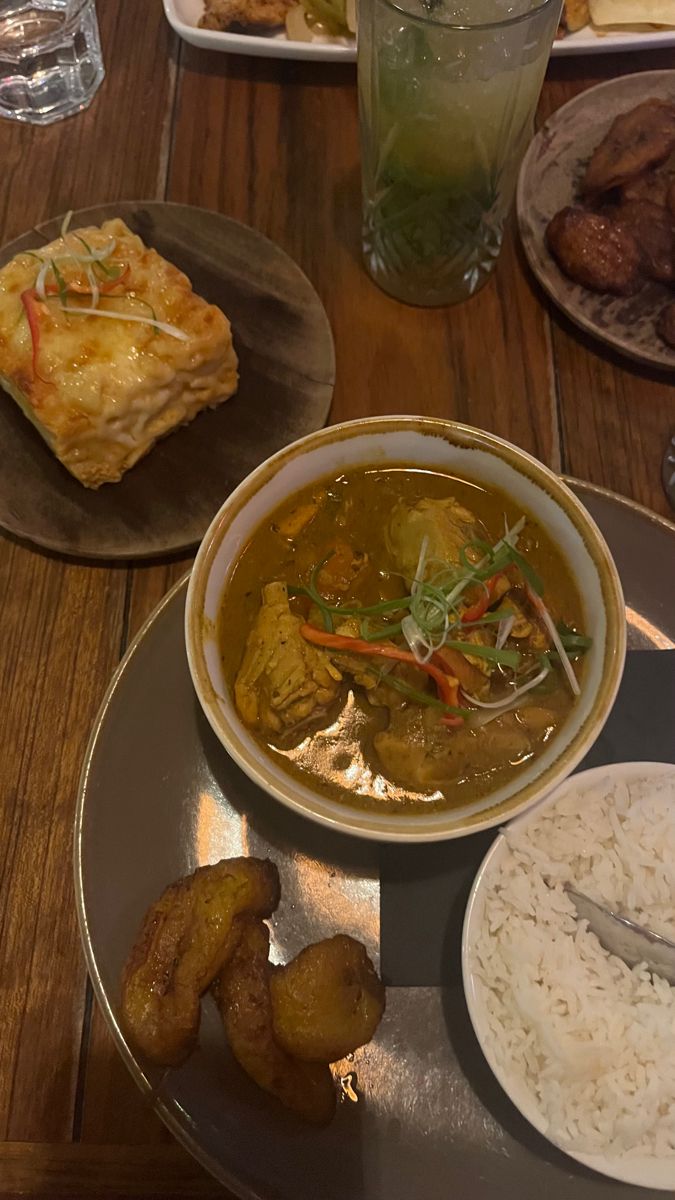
{"x": 273, "y": 144}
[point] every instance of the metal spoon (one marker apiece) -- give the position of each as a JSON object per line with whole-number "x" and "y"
{"x": 628, "y": 940}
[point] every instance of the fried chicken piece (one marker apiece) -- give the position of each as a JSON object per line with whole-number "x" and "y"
{"x": 594, "y": 252}
{"x": 446, "y": 525}
{"x": 654, "y": 186}
{"x": 185, "y": 940}
{"x": 665, "y": 326}
{"x": 328, "y": 1001}
{"x": 576, "y": 14}
{"x": 223, "y": 14}
{"x": 283, "y": 680}
{"x": 641, "y": 138}
{"x": 242, "y": 992}
{"x": 654, "y": 231}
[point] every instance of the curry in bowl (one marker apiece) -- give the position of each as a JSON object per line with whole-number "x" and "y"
{"x": 402, "y": 639}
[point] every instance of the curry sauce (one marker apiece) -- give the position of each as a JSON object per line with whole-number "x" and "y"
{"x": 376, "y": 731}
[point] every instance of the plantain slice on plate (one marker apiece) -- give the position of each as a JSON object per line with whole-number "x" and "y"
{"x": 185, "y": 939}
{"x": 327, "y": 1001}
{"x": 242, "y": 992}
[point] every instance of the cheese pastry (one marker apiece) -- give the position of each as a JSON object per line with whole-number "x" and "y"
{"x": 106, "y": 348}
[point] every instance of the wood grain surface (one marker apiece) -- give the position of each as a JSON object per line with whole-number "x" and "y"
{"x": 273, "y": 144}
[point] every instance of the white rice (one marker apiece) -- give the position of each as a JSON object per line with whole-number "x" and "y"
{"x": 592, "y": 1041}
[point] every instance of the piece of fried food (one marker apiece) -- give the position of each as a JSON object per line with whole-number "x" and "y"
{"x": 328, "y": 1001}
{"x": 665, "y": 326}
{"x": 637, "y": 140}
{"x": 186, "y": 938}
{"x": 654, "y": 186}
{"x": 223, "y": 14}
{"x": 104, "y": 369}
{"x": 654, "y": 231}
{"x": 242, "y": 993}
{"x": 594, "y": 252}
{"x": 576, "y": 14}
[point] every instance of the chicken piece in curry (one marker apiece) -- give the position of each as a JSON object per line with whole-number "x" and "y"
{"x": 399, "y": 638}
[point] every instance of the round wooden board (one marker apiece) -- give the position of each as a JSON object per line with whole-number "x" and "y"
{"x": 287, "y": 370}
{"x": 549, "y": 180}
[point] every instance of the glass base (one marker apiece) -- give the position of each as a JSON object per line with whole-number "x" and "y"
{"x": 431, "y": 247}
{"x": 50, "y": 66}
{"x": 424, "y": 295}
{"x": 57, "y": 111}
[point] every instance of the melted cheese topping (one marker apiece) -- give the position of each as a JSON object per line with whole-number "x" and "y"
{"x": 112, "y": 388}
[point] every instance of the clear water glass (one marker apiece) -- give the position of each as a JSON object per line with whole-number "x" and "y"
{"x": 447, "y": 95}
{"x": 50, "y": 59}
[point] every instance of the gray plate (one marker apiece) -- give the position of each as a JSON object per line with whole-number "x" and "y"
{"x": 549, "y": 180}
{"x": 159, "y": 796}
{"x": 287, "y": 369}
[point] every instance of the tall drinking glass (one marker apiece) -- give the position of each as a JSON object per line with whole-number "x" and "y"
{"x": 50, "y": 58}
{"x": 447, "y": 95}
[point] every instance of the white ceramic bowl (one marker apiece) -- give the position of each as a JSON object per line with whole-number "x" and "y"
{"x": 420, "y": 442}
{"x": 644, "y": 1171}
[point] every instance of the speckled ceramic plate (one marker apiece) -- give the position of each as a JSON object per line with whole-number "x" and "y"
{"x": 286, "y": 367}
{"x": 159, "y": 796}
{"x": 549, "y": 180}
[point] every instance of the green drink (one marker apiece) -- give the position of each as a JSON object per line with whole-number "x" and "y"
{"x": 447, "y": 97}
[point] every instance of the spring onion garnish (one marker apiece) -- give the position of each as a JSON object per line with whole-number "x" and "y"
{"x": 507, "y": 701}
{"x": 40, "y": 281}
{"x": 94, "y": 256}
{"x": 93, "y": 284}
{"x": 530, "y": 575}
{"x": 65, "y": 225}
{"x": 60, "y": 283}
{"x": 545, "y": 616}
{"x": 412, "y": 693}
{"x": 171, "y": 330}
{"x": 505, "y": 627}
{"x": 506, "y": 658}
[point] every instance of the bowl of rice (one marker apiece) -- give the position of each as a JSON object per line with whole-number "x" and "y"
{"x": 583, "y": 1045}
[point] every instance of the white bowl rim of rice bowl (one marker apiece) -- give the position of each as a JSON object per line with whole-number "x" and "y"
{"x": 487, "y": 1006}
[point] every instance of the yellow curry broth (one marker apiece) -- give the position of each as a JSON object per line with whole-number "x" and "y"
{"x": 336, "y": 755}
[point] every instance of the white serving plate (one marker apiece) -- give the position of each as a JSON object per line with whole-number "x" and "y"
{"x": 648, "y": 1172}
{"x": 586, "y": 41}
{"x": 183, "y": 16}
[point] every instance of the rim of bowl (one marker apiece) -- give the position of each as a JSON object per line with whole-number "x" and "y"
{"x": 390, "y": 826}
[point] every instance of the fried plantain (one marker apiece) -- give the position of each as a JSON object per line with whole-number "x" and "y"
{"x": 327, "y": 1001}
{"x": 637, "y": 140}
{"x": 242, "y": 992}
{"x": 654, "y": 231}
{"x": 594, "y": 252}
{"x": 186, "y": 938}
{"x": 665, "y": 326}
